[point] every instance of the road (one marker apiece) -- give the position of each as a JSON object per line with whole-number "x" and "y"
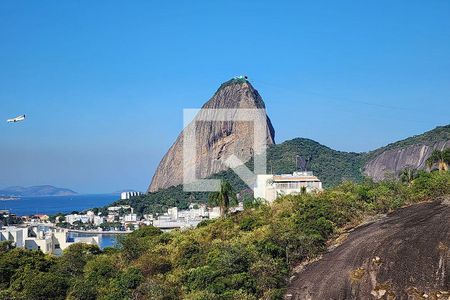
{"x": 402, "y": 256}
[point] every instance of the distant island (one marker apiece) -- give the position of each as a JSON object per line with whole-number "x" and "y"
{"x": 8, "y": 198}
{"x": 34, "y": 191}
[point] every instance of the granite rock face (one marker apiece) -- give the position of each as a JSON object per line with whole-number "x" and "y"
{"x": 216, "y": 140}
{"x": 403, "y": 256}
{"x": 390, "y": 162}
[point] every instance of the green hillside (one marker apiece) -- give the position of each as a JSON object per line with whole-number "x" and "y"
{"x": 247, "y": 255}
{"x": 331, "y": 166}
{"x": 440, "y": 133}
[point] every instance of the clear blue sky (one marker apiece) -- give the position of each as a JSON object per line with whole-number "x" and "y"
{"x": 104, "y": 83}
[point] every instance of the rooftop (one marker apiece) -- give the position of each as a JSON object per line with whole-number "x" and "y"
{"x": 296, "y": 176}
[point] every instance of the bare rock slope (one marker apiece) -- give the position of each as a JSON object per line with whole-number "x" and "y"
{"x": 216, "y": 140}
{"x": 409, "y": 153}
{"x": 403, "y": 256}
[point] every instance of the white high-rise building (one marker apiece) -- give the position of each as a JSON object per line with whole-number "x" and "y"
{"x": 128, "y": 195}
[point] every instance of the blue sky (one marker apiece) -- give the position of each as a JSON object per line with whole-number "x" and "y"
{"x": 104, "y": 83}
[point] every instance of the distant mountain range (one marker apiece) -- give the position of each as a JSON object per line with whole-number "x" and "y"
{"x": 35, "y": 191}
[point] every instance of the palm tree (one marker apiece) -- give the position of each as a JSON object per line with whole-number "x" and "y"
{"x": 442, "y": 158}
{"x": 223, "y": 198}
{"x": 408, "y": 174}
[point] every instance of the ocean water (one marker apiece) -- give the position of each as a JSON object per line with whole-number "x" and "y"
{"x": 55, "y": 204}
{"x": 106, "y": 240}
{"x": 65, "y": 204}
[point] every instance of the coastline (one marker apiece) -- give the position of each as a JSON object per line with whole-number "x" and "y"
{"x": 52, "y": 205}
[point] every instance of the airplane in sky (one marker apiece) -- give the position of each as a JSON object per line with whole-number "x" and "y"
{"x": 16, "y": 119}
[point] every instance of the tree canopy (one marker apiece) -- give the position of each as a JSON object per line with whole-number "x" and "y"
{"x": 245, "y": 255}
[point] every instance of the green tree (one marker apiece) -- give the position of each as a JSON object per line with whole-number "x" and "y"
{"x": 223, "y": 198}
{"x": 6, "y": 246}
{"x": 29, "y": 283}
{"x": 407, "y": 175}
{"x": 75, "y": 257}
{"x": 441, "y": 158}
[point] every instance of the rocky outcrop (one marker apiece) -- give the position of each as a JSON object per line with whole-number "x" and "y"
{"x": 391, "y": 162}
{"x": 216, "y": 140}
{"x": 403, "y": 256}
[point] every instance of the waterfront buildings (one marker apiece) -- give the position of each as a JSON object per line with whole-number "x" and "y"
{"x": 270, "y": 186}
{"x": 128, "y": 218}
{"x": 46, "y": 239}
{"x": 90, "y": 217}
{"x": 189, "y": 218}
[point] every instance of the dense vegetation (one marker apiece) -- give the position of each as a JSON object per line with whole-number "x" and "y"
{"x": 247, "y": 255}
{"x": 8, "y": 219}
{"x": 441, "y": 158}
{"x": 160, "y": 201}
{"x": 331, "y": 166}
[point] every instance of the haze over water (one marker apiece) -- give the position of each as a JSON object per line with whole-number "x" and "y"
{"x": 55, "y": 204}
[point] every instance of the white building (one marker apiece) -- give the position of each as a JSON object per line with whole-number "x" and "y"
{"x": 117, "y": 213}
{"x": 240, "y": 207}
{"x": 148, "y": 217}
{"x": 55, "y": 240}
{"x": 130, "y": 218}
{"x": 195, "y": 212}
{"x": 111, "y": 218}
{"x": 72, "y": 218}
{"x": 270, "y": 186}
{"x": 128, "y": 195}
{"x": 47, "y": 240}
{"x": 184, "y": 219}
{"x": 97, "y": 220}
{"x": 116, "y": 209}
{"x": 173, "y": 213}
{"x": 77, "y": 218}
{"x": 214, "y": 212}
{"x": 14, "y": 234}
